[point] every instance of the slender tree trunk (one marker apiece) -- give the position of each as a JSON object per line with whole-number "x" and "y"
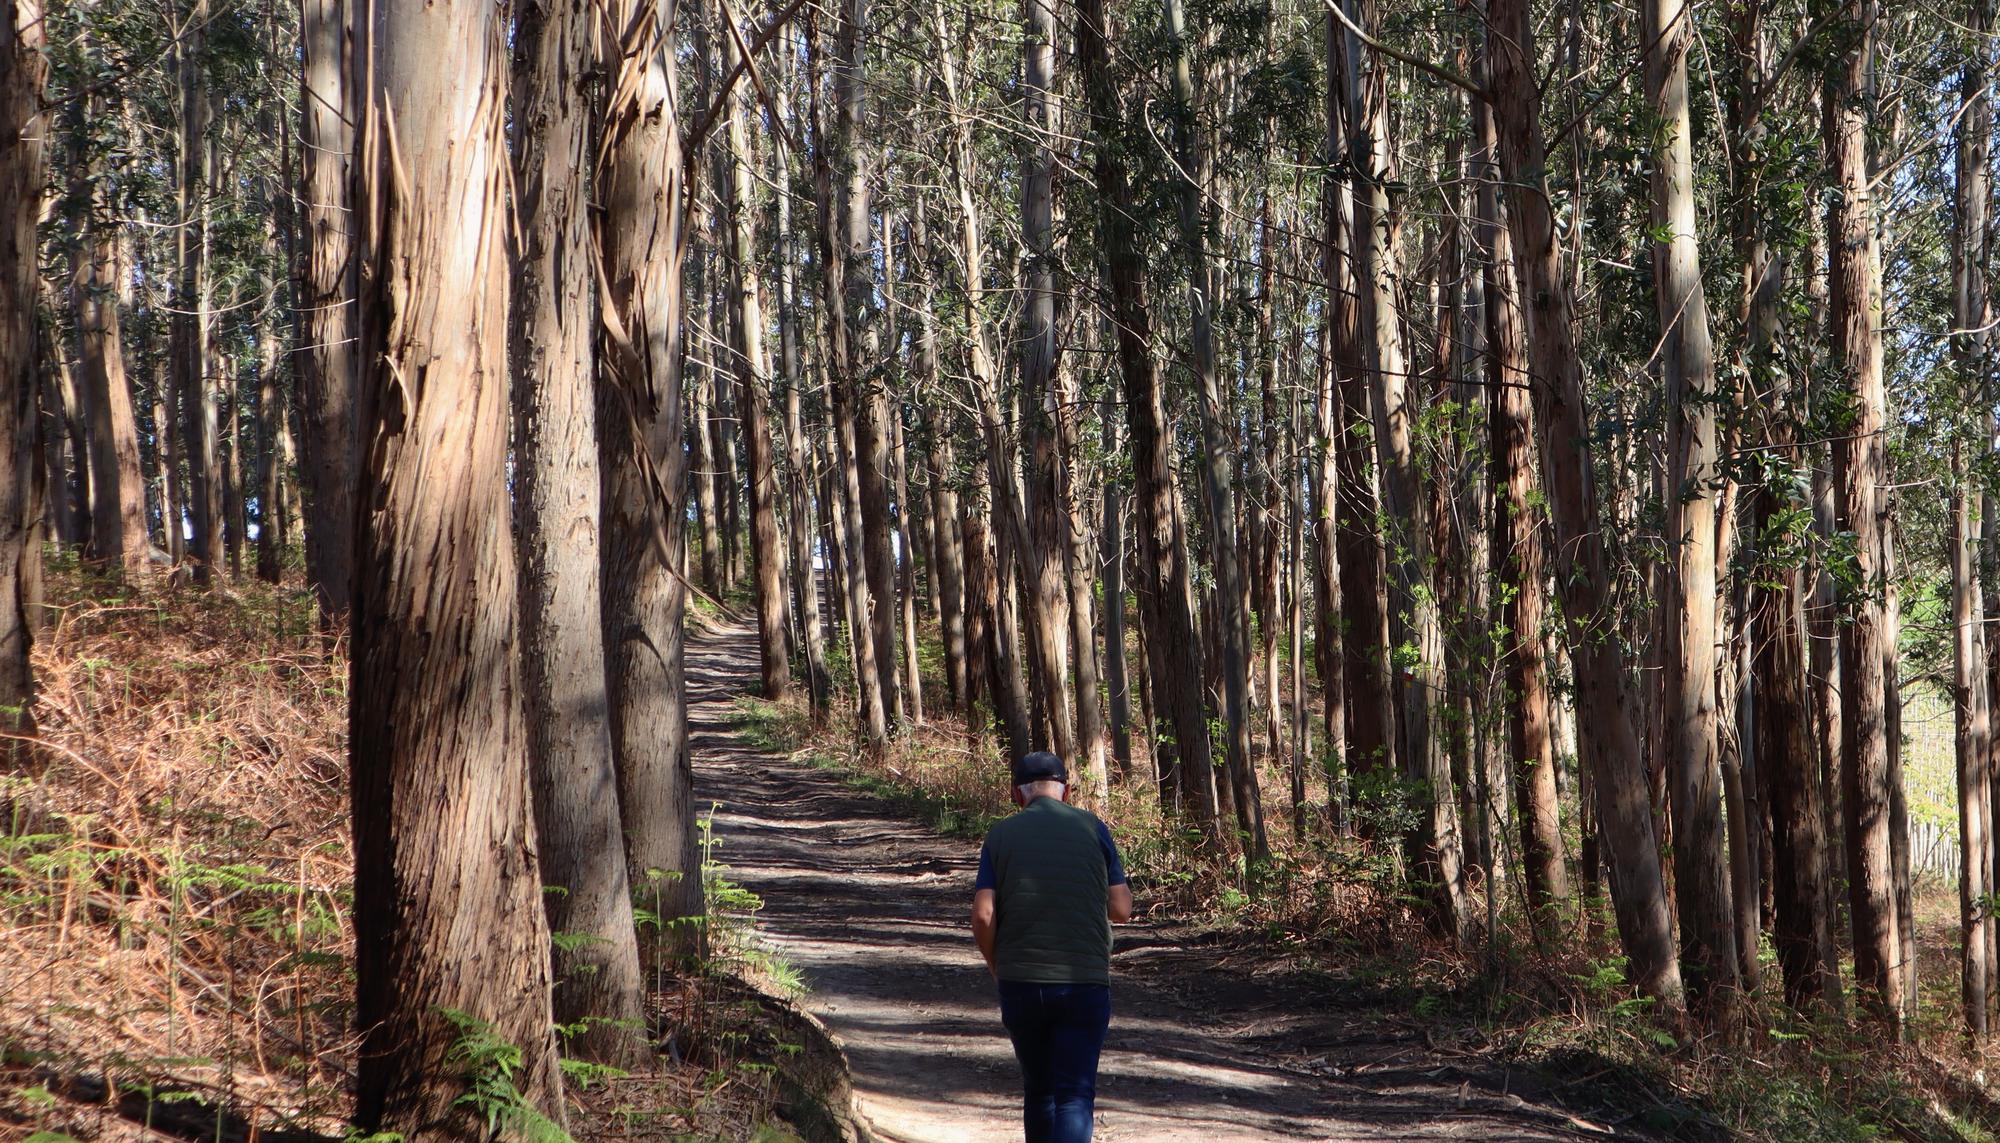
{"x": 1787, "y": 770}
{"x": 1899, "y": 805}
{"x": 1611, "y": 747}
{"x": 1329, "y": 634}
{"x": 948, "y": 558}
{"x": 1438, "y": 849}
{"x": 1266, "y": 515}
{"x": 703, "y": 443}
{"x": 1973, "y": 717}
{"x": 1855, "y": 297}
{"x": 24, "y": 131}
{"x": 1518, "y": 564}
{"x": 267, "y": 414}
{"x": 868, "y": 401}
{"x": 118, "y": 540}
{"x": 641, "y": 240}
{"x": 1081, "y": 582}
{"x": 1369, "y": 732}
{"x": 166, "y": 456}
{"x": 897, "y": 481}
{"x": 1218, "y": 481}
{"x": 1708, "y": 937}
{"x": 230, "y": 438}
{"x": 1111, "y": 557}
{"x": 557, "y": 490}
{"x": 906, "y": 576}
{"x": 753, "y": 371}
{"x": 443, "y": 833}
{"x": 1295, "y": 477}
{"x": 1166, "y": 604}
{"x": 192, "y": 353}
{"x": 1039, "y": 521}
{"x": 64, "y": 456}
{"x": 844, "y": 253}
{"x": 984, "y": 638}
{"x": 798, "y": 483}
{"x": 324, "y": 361}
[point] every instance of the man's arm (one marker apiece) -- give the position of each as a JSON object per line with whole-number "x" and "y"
{"x": 985, "y": 911}
{"x": 1118, "y": 903}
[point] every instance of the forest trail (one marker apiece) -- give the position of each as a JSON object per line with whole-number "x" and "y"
{"x": 871, "y": 908}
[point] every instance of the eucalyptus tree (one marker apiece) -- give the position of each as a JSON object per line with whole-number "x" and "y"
{"x": 1164, "y": 586}
{"x": 444, "y": 835}
{"x": 1415, "y": 625}
{"x": 752, "y": 370}
{"x": 1708, "y": 937}
{"x": 557, "y": 491}
{"x": 1610, "y": 747}
{"x": 1854, "y": 295}
{"x": 640, "y": 242}
{"x": 322, "y": 353}
{"x": 1218, "y": 478}
{"x": 1972, "y": 343}
{"x": 24, "y": 122}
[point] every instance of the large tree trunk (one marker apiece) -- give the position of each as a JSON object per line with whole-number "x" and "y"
{"x": 448, "y": 913}
{"x": 1437, "y": 852}
{"x": 557, "y": 493}
{"x": 1974, "y": 737}
{"x": 1708, "y": 937}
{"x": 641, "y": 240}
{"x": 24, "y": 131}
{"x": 1611, "y": 747}
{"x": 1218, "y": 476}
{"x": 1166, "y": 601}
{"x": 1854, "y": 274}
{"x": 324, "y": 363}
{"x": 753, "y": 372}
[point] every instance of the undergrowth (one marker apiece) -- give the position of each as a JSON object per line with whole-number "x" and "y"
{"x": 176, "y": 950}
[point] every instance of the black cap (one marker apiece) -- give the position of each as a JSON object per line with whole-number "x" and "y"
{"x": 1039, "y": 766}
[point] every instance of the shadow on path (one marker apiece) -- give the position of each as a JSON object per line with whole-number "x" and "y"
{"x": 872, "y": 908}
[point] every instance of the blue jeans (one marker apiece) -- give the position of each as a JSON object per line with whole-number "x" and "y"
{"x": 1058, "y": 1031}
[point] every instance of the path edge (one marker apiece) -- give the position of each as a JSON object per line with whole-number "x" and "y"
{"x": 815, "y": 1084}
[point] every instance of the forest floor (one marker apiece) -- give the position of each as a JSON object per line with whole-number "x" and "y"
{"x": 1212, "y": 1037}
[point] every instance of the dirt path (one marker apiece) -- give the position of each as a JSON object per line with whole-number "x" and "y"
{"x": 1203, "y": 1046}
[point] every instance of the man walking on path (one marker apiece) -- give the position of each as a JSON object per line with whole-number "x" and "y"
{"x": 1050, "y": 884}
